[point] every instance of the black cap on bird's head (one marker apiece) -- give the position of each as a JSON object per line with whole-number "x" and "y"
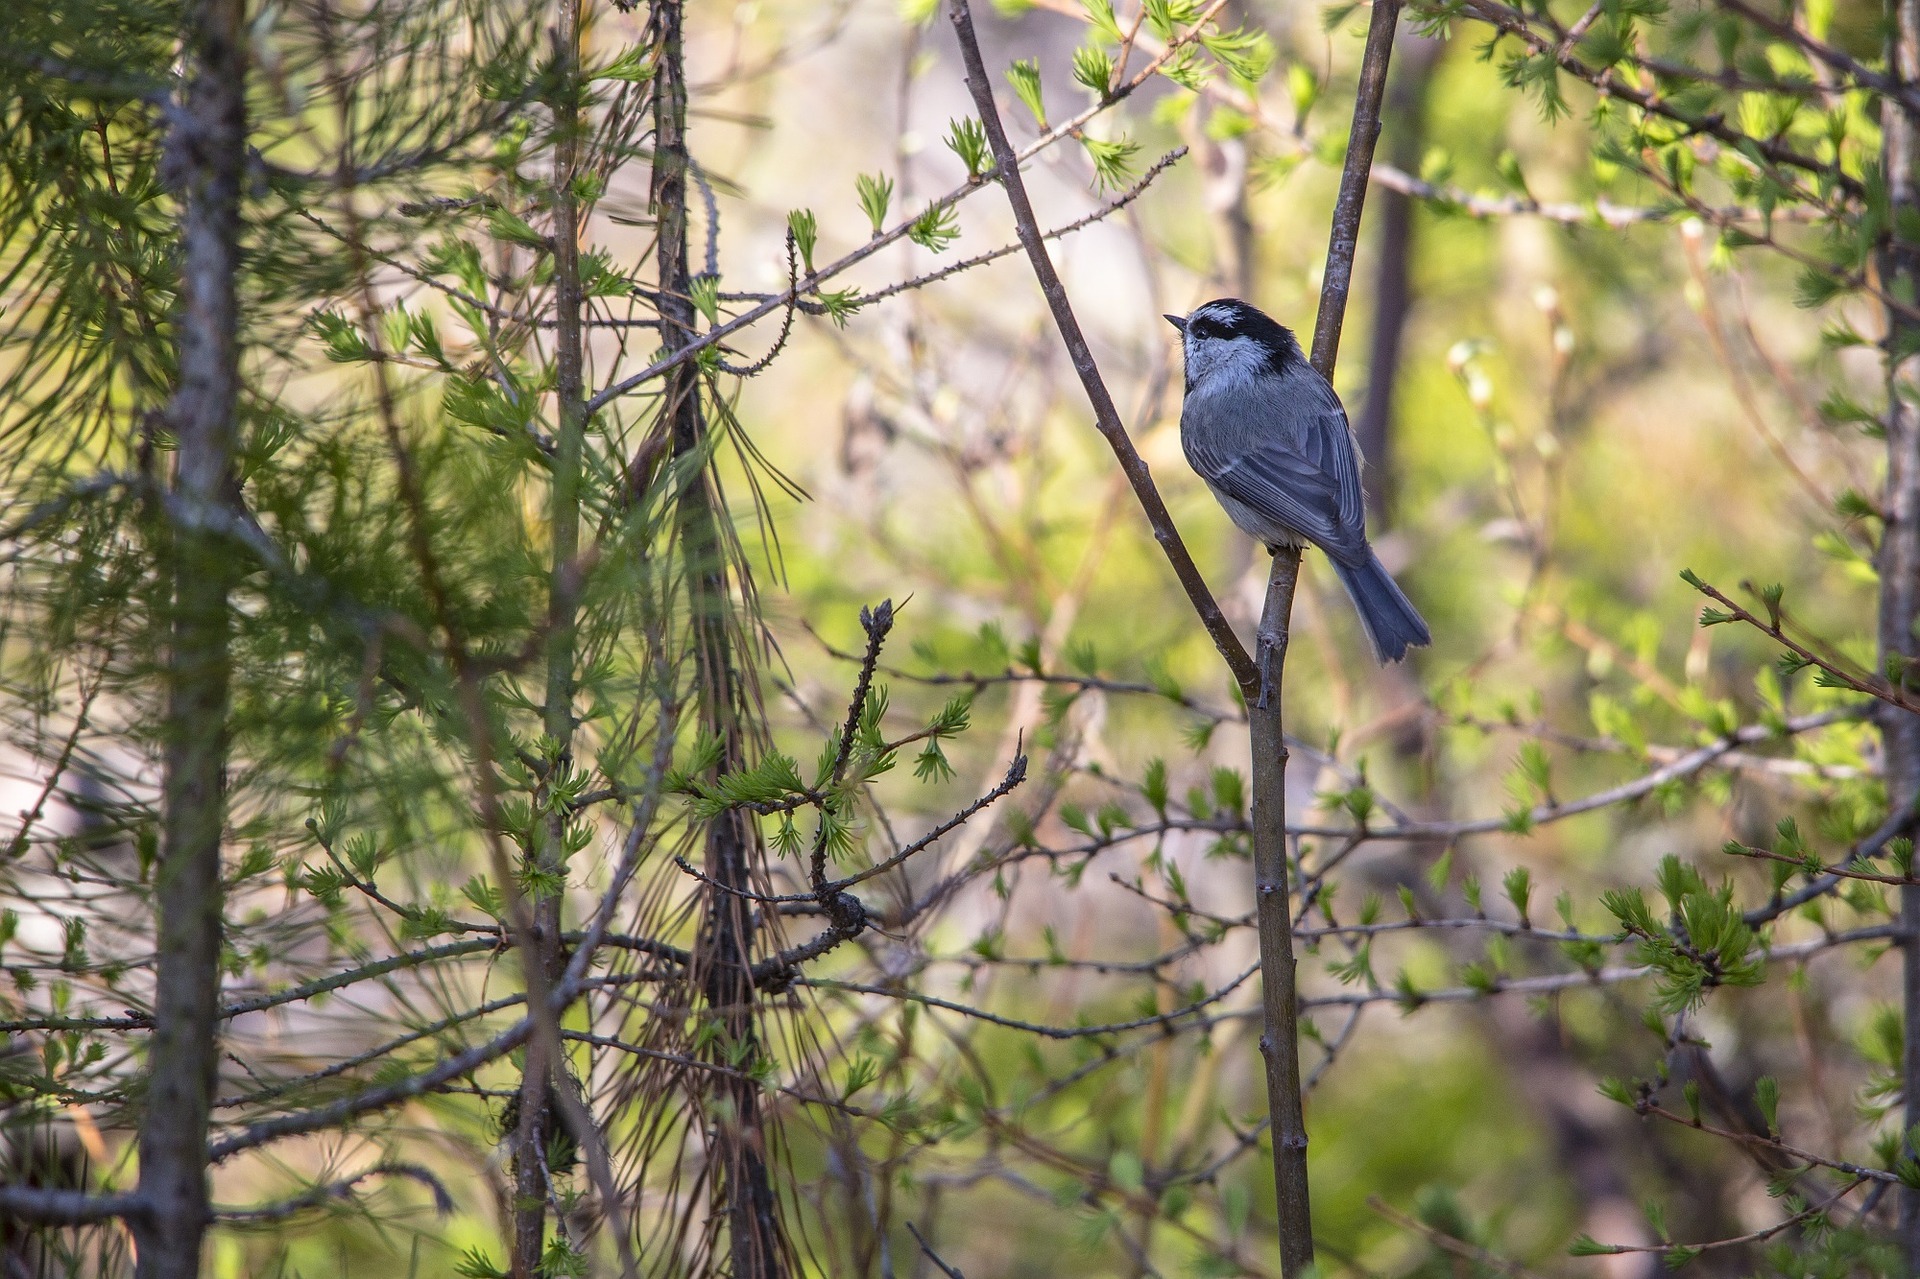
{"x": 1226, "y": 319}
{"x": 1231, "y": 318}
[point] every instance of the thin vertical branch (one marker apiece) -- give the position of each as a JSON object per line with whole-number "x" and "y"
{"x": 543, "y": 1089}
{"x": 1280, "y": 1035}
{"x": 207, "y": 153}
{"x": 1273, "y": 911}
{"x": 1280, "y": 1040}
{"x": 1899, "y": 555}
{"x": 564, "y": 589}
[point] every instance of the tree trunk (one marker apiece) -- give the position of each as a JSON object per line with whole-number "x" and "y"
{"x": 1899, "y": 558}
{"x": 206, "y": 157}
{"x": 1406, "y": 112}
{"x": 744, "y": 1186}
{"x": 537, "y": 1106}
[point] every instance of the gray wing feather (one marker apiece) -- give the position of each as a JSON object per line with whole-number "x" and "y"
{"x": 1284, "y": 449}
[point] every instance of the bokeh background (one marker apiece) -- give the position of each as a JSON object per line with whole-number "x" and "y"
{"x": 1574, "y": 412}
{"x": 1570, "y": 390}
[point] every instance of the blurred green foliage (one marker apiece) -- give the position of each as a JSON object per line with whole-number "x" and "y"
{"x": 1636, "y": 346}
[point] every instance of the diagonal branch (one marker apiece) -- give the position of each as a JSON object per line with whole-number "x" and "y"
{"x": 1106, "y": 415}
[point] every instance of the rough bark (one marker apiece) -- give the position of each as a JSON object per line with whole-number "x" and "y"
{"x": 206, "y": 159}
{"x": 738, "y": 1126}
{"x": 1273, "y": 911}
{"x": 1899, "y": 557}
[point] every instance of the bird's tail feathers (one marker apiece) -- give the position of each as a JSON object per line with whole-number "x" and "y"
{"x": 1392, "y": 623}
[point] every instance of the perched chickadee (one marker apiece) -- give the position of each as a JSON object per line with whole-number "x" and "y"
{"x": 1269, "y": 437}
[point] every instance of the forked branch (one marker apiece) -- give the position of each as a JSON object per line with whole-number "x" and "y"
{"x": 1258, "y": 676}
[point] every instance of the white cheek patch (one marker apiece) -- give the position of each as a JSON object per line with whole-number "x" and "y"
{"x": 1227, "y": 364}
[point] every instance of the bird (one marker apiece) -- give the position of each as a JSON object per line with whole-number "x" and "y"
{"x": 1271, "y": 439}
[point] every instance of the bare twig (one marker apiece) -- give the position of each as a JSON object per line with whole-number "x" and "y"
{"x": 1016, "y": 774}
{"x": 1596, "y": 212}
{"x": 1106, "y": 414}
{"x": 1280, "y": 1038}
{"x": 786, "y": 320}
{"x": 1166, "y": 1020}
{"x": 1444, "y": 1241}
{"x": 934, "y": 1257}
{"x": 1100, "y": 214}
{"x": 418, "y": 1085}
{"x": 1773, "y": 626}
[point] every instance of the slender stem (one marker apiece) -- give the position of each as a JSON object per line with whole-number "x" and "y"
{"x": 336, "y": 1114}
{"x": 563, "y": 505}
{"x": 537, "y": 1090}
{"x": 52, "y": 1206}
{"x": 1280, "y": 1030}
{"x": 1899, "y": 556}
{"x": 1273, "y": 912}
{"x": 211, "y": 135}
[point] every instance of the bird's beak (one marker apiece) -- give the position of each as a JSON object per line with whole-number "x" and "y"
{"x": 1177, "y": 321}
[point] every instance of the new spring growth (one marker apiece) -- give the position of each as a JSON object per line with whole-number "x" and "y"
{"x": 1100, "y": 15}
{"x": 876, "y": 194}
{"x": 806, "y": 234}
{"x": 1519, "y": 888}
{"x": 1112, "y": 161}
{"x": 935, "y": 229}
{"x": 1025, "y": 78}
{"x": 1303, "y": 88}
{"x": 705, "y": 291}
{"x": 1244, "y": 55}
{"x": 968, "y": 140}
{"x": 1093, "y": 68}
